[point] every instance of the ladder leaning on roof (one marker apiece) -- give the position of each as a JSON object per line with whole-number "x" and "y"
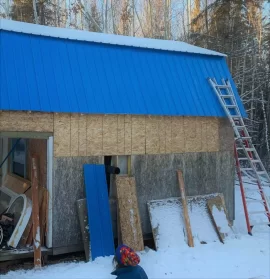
{"x": 246, "y": 156}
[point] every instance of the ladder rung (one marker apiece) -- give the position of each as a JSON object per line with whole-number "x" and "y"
{"x": 261, "y": 172}
{"x": 240, "y": 127}
{"x": 261, "y": 223}
{"x": 257, "y": 212}
{"x": 247, "y": 149}
{"x": 222, "y": 86}
{"x": 255, "y": 161}
{"x": 226, "y": 96}
{"x": 246, "y": 169}
{"x": 242, "y": 139}
{"x": 255, "y": 201}
{"x": 249, "y": 159}
{"x": 230, "y": 106}
{"x": 254, "y": 190}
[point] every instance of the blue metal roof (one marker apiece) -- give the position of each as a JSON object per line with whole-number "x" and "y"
{"x": 47, "y": 74}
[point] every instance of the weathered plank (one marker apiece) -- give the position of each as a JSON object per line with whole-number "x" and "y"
{"x": 35, "y": 214}
{"x": 185, "y": 208}
{"x": 83, "y": 218}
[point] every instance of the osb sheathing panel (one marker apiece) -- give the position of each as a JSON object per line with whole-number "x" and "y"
{"x": 110, "y": 134}
{"x": 178, "y": 136}
{"x": 138, "y": 135}
{"x": 193, "y": 134}
{"x": 168, "y": 134}
{"x": 162, "y": 134}
{"x": 62, "y": 138}
{"x": 130, "y": 222}
{"x": 152, "y": 135}
{"x": 128, "y": 127}
{"x": 213, "y": 135}
{"x": 95, "y": 135}
{"x": 26, "y": 122}
{"x": 82, "y": 135}
{"x": 74, "y": 135}
{"x": 120, "y": 134}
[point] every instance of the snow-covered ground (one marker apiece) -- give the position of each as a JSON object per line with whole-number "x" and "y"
{"x": 241, "y": 257}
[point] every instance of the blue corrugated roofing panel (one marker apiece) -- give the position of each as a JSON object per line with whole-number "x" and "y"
{"x": 48, "y": 74}
{"x": 98, "y": 207}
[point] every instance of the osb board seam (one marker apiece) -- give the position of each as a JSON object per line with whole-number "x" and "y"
{"x": 155, "y": 134}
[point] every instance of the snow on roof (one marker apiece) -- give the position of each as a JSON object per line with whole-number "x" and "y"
{"x": 72, "y": 34}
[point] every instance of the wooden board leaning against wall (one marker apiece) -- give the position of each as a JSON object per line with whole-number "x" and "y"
{"x": 94, "y": 135}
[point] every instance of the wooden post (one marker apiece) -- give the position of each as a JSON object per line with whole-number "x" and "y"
{"x": 185, "y": 208}
{"x": 35, "y": 214}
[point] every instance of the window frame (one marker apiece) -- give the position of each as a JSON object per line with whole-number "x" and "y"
{"x": 11, "y": 159}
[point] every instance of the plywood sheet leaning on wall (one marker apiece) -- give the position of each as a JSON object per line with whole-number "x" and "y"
{"x": 167, "y": 222}
{"x": 218, "y": 213}
{"x": 202, "y": 227}
{"x": 130, "y": 222}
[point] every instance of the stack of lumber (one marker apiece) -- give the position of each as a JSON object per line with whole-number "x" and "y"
{"x": 23, "y": 186}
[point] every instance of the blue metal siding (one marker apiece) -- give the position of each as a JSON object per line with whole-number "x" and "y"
{"x": 98, "y": 208}
{"x": 57, "y": 75}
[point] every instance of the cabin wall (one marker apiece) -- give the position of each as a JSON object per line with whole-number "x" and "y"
{"x": 68, "y": 187}
{"x": 204, "y": 173}
{"x": 201, "y": 147}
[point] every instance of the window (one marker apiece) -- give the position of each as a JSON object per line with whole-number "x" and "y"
{"x": 18, "y": 158}
{"x": 123, "y": 163}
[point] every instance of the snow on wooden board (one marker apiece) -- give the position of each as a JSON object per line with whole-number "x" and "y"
{"x": 219, "y": 217}
{"x": 201, "y": 223}
{"x": 168, "y": 225}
